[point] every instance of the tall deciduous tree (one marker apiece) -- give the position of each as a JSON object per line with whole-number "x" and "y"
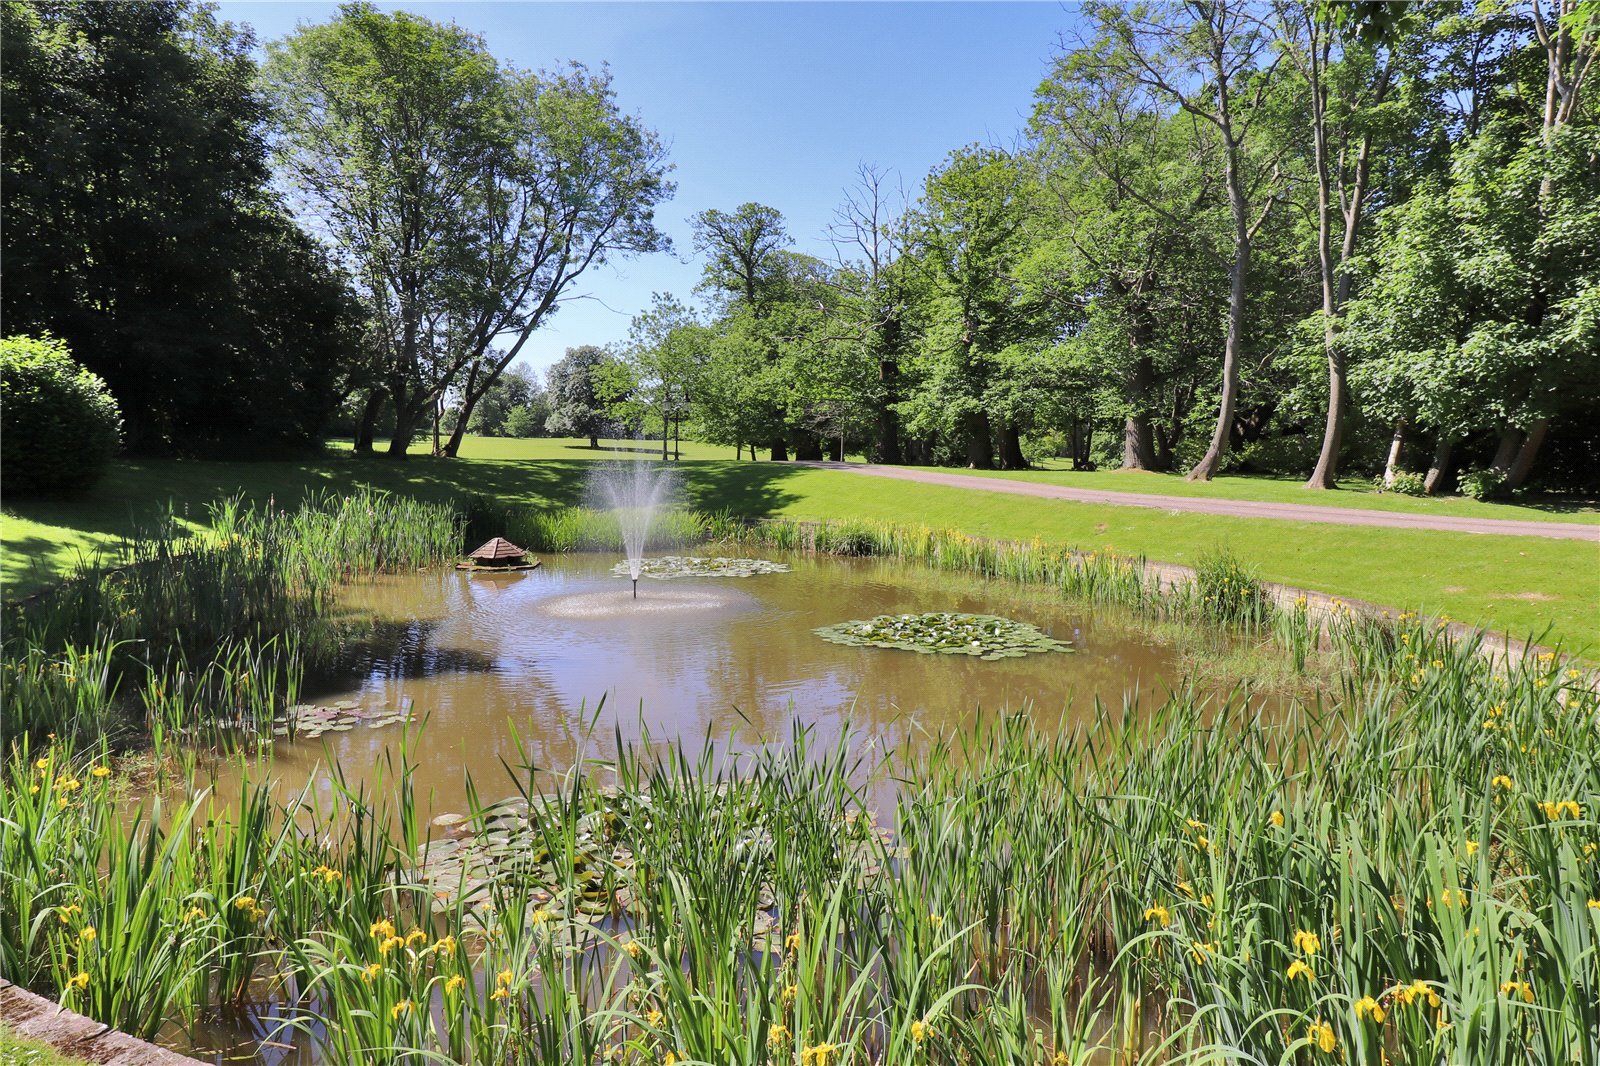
{"x": 139, "y": 227}
{"x": 468, "y": 199}
{"x": 578, "y": 399}
{"x": 1212, "y": 60}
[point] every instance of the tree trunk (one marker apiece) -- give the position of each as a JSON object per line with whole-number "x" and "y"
{"x": 1506, "y": 452}
{"x": 594, "y": 441}
{"x": 1211, "y": 462}
{"x": 1138, "y": 437}
{"x": 1438, "y": 479}
{"x": 367, "y": 423}
{"x": 886, "y": 448}
{"x": 807, "y": 448}
{"x": 405, "y": 427}
{"x": 1523, "y": 466}
{"x": 980, "y": 441}
{"x": 836, "y": 449}
{"x": 1011, "y": 457}
{"x": 779, "y": 450}
{"x": 1392, "y": 463}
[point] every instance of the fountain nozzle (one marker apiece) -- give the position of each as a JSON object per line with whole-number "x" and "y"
{"x": 635, "y": 588}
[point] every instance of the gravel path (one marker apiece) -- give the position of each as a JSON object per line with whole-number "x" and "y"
{"x": 1292, "y": 512}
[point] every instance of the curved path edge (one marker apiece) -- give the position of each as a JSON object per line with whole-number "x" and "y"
{"x": 76, "y": 1036}
{"x": 1291, "y": 512}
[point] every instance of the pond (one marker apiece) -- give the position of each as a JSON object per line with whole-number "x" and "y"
{"x": 564, "y": 661}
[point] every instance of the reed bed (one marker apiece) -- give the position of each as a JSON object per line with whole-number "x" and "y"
{"x": 1410, "y": 875}
{"x": 198, "y": 632}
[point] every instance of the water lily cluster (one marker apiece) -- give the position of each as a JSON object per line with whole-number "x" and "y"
{"x": 945, "y": 633}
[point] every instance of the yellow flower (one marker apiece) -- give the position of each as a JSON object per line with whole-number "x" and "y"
{"x": 381, "y": 929}
{"x": 445, "y": 945}
{"x": 920, "y": 1031}
{"x": 416, "y": 936}
{"x": 1502, "y": 781}
{"x": 1276, "y": 819}
{"x": 1309, "y": 943}
{"x": 1554, "y": 810}
{"x": 193, "y": 914}
{"x": 454, "y": 985}
{"x": 1298, "y": 969}
{"x": 245, "y": 903}
{"x": 654, "y": 1019}
{"x": 43, "y": 764}
{"x": 936, "y": 920}
{"x": 1367, "y": 1007}
{"x": 372, "y": 971}
{"x": 500, "y": 993}
{"x": 539, "y": 917}
{"x": 819, "y": 1055}
{"x": 100, "y": 771}
{"x": 1472, "y": 848}
{"x": 1594, "y": 904}
{"x": 1202, "y": 952}
{"x": 1186, "y": 888}
{"x": 386, "y": 946}
{"x": 1158, "y": 914}
{"x": 788, "y": 994}
{"x": 504, "y": 977}
{"x": 1522, "y": 988}
{"x": 86, "y": 934}
{"x": 1322, "y": 1036}
{"x": 778, "y": 1036}
{"x": 64, "y": 913}
{"x": 400, "y": 1009}
{"x": 634, "y": 949}
{"x": 791, "y": 942}
{"x": 1418, "y": 991}
{"x": 80, "y": 980}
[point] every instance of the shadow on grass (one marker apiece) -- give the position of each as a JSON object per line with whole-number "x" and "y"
{"x": 135, "y": 493}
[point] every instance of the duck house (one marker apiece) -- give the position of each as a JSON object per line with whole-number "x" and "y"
{"x": 498, "y": 553}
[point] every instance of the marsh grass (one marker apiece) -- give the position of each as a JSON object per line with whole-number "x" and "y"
{"x": 1407, "y": 873}
{"x": 197, "y": 635}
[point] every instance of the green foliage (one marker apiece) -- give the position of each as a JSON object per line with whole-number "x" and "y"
{"x": 1487, "y": 484}
{"x": 1406, "y": 483}
{"x": 1228, "y": 590}
{"x": 60, "y": 425}
{"x": 143, "y": 229}
{"x": 578, "y": 395}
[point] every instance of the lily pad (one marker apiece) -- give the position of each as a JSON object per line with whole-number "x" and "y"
{"x": 986, "y": 636}
{"x": 669, "y": 567}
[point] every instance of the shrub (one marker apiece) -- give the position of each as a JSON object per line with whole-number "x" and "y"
{"x": 1484, "y": 484}
{"x": 59, "y": 424}
{"x": 1229, "y": 591}
{"x": 1405, "y": 483}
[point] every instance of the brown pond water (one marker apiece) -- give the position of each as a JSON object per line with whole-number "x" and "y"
{"x": 564, "y": 660}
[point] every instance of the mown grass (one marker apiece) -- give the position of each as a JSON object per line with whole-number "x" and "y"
{"x": 18, "y": 1050}
{"x": 1518, "y": 584}
{"x": 1408, "y": 875}
{"x": 1352, "y": 492}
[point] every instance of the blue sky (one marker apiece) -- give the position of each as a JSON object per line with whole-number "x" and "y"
{"x": 773, "y": 102}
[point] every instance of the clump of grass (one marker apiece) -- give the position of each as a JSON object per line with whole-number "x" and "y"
{"x": 1408, "y": 871}
{"x": 199, "y": 631}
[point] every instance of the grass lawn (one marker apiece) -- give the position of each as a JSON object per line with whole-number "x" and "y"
{"x": 1351, "y": 493}
{"x": 1518, "y": 584}
{"x": 20, "y": 1051}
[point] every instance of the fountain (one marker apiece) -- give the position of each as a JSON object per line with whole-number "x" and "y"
{"x": 634, "y": 490}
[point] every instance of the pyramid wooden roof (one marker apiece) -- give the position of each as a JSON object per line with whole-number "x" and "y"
{"x": 498, "y": 550}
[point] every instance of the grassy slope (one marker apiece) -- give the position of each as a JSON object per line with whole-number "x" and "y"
{"x": 1519, "y": 584}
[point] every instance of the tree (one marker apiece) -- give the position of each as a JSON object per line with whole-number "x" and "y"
{"x": 577, "y": 404}
{"x": 667, "y": 350}
{"x": 969, "y": 239}
{"x": 467, "y": 199}
{"x": 140, "y": 228}
{"x": 746, "y": 266}
{"x": 516, "y": 389}
{"x": 869, "y": 236}
{"x": 1212, "y": 61}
